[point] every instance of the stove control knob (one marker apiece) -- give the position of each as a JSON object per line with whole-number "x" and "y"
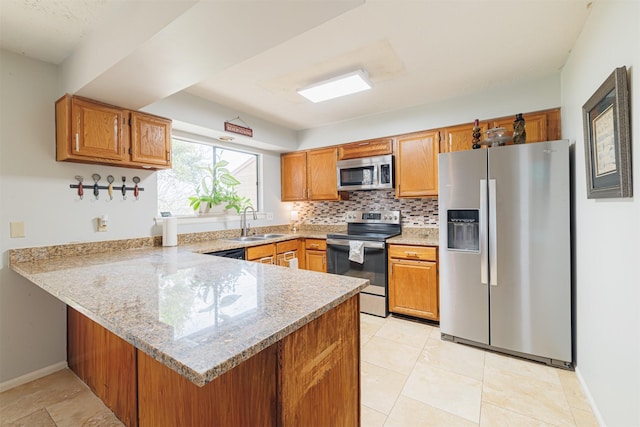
{"x": 395, "y": 217}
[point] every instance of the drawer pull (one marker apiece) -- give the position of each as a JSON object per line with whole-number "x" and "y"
{"x": 411, "y": 254}
{"x": 314, "y": 245}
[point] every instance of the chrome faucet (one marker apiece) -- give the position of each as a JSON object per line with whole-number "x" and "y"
{"x": 243, "y": 221}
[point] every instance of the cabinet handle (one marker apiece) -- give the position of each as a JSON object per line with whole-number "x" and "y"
{"x": 168, "y": 156}
{"x": 308, "y": 194}
{"x": 364, "y": 143}
{"x": 411, "y": 254}
{"x": 314, "y": 245}
{"x": 77, "y": 142}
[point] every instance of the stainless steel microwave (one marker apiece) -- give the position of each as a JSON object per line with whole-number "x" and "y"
{"x": 367, "y": 173}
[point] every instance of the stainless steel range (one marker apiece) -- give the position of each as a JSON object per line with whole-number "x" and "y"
{"x": 362, "y": 253}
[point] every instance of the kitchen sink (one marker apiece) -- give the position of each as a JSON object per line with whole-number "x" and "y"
{"x": 255, "y": 237}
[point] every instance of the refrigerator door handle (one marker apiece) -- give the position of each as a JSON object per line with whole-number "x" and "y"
{"x": 493, "y": 239}
{"x": 484, "y": 255}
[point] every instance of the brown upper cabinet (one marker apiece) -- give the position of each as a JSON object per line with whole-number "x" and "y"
{"x": 309, "y": 175}
{"x": 372, "y": 147}
{"x": 460, "y": 137}
{"x": 417, "y": 164}
{"x": 88, "y": 131}
{"x": 540, "y": 126}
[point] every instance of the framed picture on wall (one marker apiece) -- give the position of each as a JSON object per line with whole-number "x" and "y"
{"x": 607, "y": 140}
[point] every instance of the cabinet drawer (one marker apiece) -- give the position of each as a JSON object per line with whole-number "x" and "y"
{"x": 289, "y": 245}
{"x": 413, "y": 252}
{"x": 256, "y": 252}
{"x": 316, "y": 244}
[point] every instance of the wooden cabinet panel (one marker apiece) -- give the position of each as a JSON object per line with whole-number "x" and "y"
{"x": 417, "y": 164}
{"x": 413, "y": 288}
{"x": 322, "y": 177}
{"x": 413, "y": 281}
{"x": 244, "y": 396}
{"x": 460, "y": 137}
{"x": 315, "y": 260}
{"x": 372, "y": 147}
{"x": 289, "y": 245}
{"x": 150, "y": 139}
{"x": 309, "y": 175}
{"x": 316, "y": 244}
{"x": 540, "y": 126}
{"x": 319, "y": 375}
{"x": 88, "y": 131}
{"x": 263, "y": 253}
{"x": 286, "y": 251}
{"x": 106, "y": 363}
{"x": 293, "y": 176}
{"x": 422, "y": 253}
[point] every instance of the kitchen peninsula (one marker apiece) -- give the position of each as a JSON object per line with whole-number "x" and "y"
{"x": 165, "y": 336}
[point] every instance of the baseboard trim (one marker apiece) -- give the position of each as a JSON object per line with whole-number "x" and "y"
{"x": 7, "y": 385}
{"x": 587, "y": 394}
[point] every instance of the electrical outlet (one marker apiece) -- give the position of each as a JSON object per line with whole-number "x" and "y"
{"x": 270, "y": 216}
{"x": 17, "y": 229}
{"x": 102, "y": 223}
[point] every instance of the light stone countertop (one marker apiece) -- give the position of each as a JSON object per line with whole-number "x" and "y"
{"x": 198, "y": 314}
{"x": 425, "y": 236}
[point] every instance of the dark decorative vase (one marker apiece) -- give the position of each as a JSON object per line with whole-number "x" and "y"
{"x": 519, "y": 132}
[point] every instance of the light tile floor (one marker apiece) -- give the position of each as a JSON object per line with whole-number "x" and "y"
{"x": 410, "y": 377}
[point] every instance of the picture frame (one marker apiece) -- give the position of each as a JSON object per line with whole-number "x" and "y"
{"x": 607, "y": 140}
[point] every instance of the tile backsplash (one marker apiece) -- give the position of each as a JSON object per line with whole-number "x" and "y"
{"x": 415, "y": 212}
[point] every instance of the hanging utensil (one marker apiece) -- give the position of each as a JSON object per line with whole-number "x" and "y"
{"x": 80, "y": 188}
{"x": 96, "y": 190}
{"x": 110, "y": 180}
{"x": 136, "y": 190}
{"x": 124, "y": 188}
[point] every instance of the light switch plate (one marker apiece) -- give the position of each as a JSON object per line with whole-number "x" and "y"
{"x": 17, "y": 229}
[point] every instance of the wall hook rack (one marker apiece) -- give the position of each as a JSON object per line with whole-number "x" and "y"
{"x": 110, "y": 179}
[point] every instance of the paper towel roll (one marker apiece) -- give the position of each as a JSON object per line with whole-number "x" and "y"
{"x": 169, "y": 231}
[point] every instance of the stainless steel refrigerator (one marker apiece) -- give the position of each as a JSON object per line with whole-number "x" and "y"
{"x": 505, "y": 249}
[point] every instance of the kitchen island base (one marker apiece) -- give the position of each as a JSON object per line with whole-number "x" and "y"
{"x": 310, "y": 377}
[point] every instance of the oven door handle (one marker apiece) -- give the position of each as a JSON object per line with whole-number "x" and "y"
{"x": 367, "y": 244}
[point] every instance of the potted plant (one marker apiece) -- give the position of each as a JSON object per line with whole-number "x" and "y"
{"x": 217, "y": 188}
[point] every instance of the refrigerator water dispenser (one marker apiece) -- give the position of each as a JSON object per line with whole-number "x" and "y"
{"x": 463, "y": 230}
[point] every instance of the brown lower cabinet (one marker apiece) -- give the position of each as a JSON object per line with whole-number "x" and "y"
{"x": 311, "y": 377}
{"x": 315, "y": 255}
{"x": 413, "y": 281}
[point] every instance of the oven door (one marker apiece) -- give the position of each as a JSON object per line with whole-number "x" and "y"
{"x": 374, "y": 269}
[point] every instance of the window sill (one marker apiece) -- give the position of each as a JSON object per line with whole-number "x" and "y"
{"x": 203, "y": 219}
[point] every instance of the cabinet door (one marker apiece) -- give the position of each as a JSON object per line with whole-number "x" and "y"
{"x": 458, "y": 138}
{"x": 316, "y": 260}
{"x": 373, "y": 147}
{"x": 417, "y": 164}
{"x": 150, "y": 140}
{"x": 293, "y": 176}
{"x": 413, "y": 288}
{"x": 540, "y": 126}
{"x": 96, "y": 130}
{"x": 322, "y": 175}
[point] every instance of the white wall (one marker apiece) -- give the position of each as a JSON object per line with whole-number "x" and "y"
{"x": 607, "y": 231}
{"x": 500, "y": 101}
{"x": 34, "y": 189}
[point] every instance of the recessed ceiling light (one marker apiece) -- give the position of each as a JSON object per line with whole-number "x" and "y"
{"x": 353, "y": 82}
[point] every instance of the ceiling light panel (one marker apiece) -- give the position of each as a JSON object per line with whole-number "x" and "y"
{"x": 356, "y": 81}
